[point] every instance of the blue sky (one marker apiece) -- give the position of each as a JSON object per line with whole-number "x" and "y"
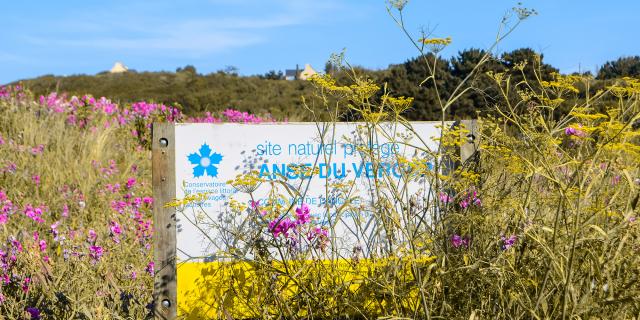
{"x": 72, "y": 37}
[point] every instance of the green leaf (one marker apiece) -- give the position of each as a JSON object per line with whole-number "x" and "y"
{"x": 227, "y": 302}
{"x": 599, "y": 230}
{"x": 547, "y": 229}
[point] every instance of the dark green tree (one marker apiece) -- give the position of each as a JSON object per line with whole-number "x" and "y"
{"x": 272, "y": 75}
{"x": 407, "y": 80}
{"x": 482, "y": 90}
{"x": 188, "y": 69}
{"x": 623, "y": 67}
{"x": 533, "y": 63}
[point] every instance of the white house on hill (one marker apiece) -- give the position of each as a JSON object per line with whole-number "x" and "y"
{"x": 119, "y": 67}
{"x": 298, "y": 74}
{"x": 307, "y": 72}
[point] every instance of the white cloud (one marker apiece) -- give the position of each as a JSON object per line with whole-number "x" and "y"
{"x": 238, "y": 23}
{"x": 138, "y": 30}
{"x": 192, "y": 44}
{"x": 195, "y": 37}
{"x": 12, "y": 58}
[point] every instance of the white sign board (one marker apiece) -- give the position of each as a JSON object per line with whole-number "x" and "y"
{"x": 207, "y": 156}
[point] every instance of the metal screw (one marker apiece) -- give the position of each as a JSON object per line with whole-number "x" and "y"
{"x": 471, "y": 138}
{"x": 163, "y": 179}
{"x": 166, "y": 303}
{"x": 164, "y": 142}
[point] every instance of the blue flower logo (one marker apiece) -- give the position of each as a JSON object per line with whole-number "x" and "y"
{"x": 205, "y": 162}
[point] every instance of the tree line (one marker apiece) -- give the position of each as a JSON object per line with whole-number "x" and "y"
{"x": 271, "y": 94}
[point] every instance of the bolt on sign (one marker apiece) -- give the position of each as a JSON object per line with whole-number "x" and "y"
{"x": 228, "y": 187}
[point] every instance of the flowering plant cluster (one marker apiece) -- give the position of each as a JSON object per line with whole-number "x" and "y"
{"x": 300, "y": 227}
{"x": 89, "y": 112}
{"x": 75, "y": 205}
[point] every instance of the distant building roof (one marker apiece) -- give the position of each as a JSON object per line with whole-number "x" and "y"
{"x": 290, "y": 73}
{"x": 119, "y": 67}
{"x": 307, "y": 72}
{"x": 304, "y": 74}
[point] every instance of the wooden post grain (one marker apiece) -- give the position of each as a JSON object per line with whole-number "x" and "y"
{"x": 164, "y": 221}
{"x": 470, "y": 140}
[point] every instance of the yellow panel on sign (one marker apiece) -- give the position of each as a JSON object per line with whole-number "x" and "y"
{"x": 218, "y": 290}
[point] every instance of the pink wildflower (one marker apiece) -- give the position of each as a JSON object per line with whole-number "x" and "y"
{"x": 458, "y": 241}
{"x": 17, "y": 245}
{"x": 92, "y": 236}
{"x": 10, "y": 167}
{"x": 96, "y": 252}
{"x": 33, "y": 312}
{"x": 615, "y": 180}
{"x": 7, "y": 207}
{"x": 115, "y": 228}
{"x": 318, "y": 233}
{"x": 444, "y": 198}
{"x": 137, "y": 202}
{"x": 25, "y": 284}
{"x": 115, "y": 231}
{"x": 281, "y": 226}
{"x": 507, "y": 243}
{"x": 237, "y": 116}
{"x": 302, "y": 214}
{"x": 570, "y": 131}
{"x": 37, "y": 150}
{"x": 147, "y": 200}
{"x": 469, "y": 199}
{"x": 131, "y": 182}
{"x": 150, "y": 268}
{"x": 118, "y": 206}
{"x": 54, "y": 230}
{"x": 34, "y": 213}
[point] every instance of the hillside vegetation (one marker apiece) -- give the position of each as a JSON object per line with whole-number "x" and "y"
{"x": 196, "y": 93}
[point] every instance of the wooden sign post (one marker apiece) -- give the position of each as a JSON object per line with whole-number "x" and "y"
{"x": 471, "y": 140}
{"x": 164, "y": 221}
